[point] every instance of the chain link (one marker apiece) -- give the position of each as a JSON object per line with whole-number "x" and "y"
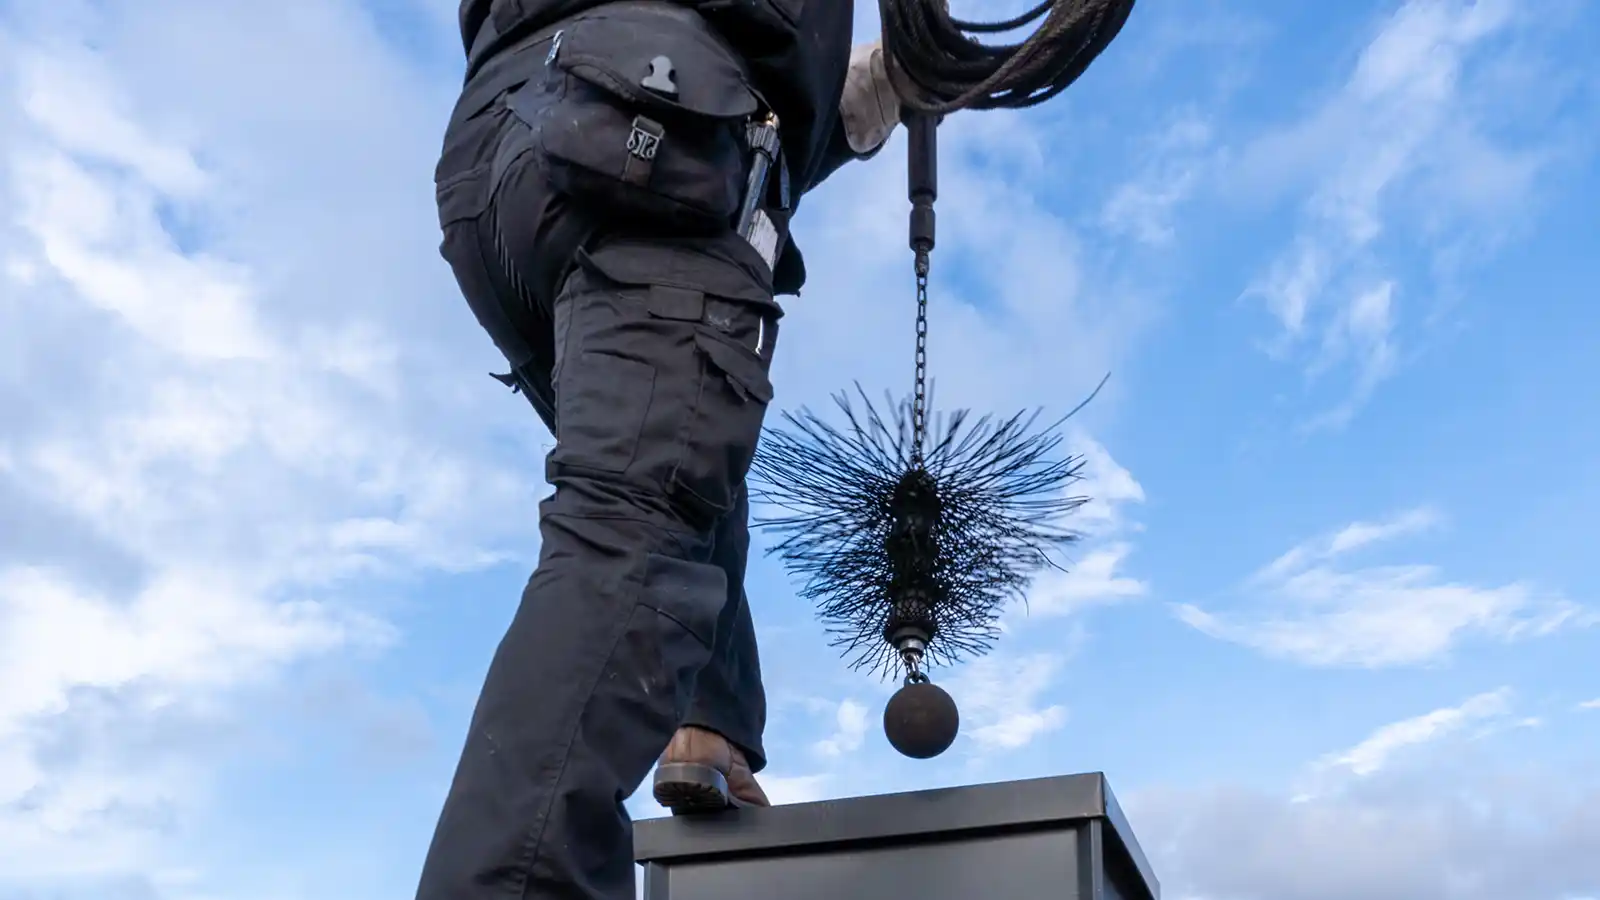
{"x": 919, "y": 396}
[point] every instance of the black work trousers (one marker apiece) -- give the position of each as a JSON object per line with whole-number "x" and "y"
{"x": 647, "y": 355}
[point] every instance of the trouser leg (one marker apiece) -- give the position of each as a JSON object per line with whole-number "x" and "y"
{"x": 729, "y": 697}
{"x": 657, "y": 413}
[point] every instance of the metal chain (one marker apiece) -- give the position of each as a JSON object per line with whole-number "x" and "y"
{"x": 919, "y": 396}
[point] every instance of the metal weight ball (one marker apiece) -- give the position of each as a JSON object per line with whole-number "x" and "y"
{"x": 921, "y": 720}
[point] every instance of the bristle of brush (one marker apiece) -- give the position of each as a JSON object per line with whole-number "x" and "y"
{"x": 1001, "y": 496}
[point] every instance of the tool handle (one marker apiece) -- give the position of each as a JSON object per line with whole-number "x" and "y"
{"x": 752, "y": 224}
{"x": 922, "y": 176}
{"x": 763, "y": 140}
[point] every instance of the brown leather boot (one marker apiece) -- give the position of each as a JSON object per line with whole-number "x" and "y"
{"x": 700, "y": 771}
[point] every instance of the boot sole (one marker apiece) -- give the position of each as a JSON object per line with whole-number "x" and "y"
{"x": 691, "y": 789}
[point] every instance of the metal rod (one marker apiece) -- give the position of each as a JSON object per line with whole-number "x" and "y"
{"x": 922, "y": 177}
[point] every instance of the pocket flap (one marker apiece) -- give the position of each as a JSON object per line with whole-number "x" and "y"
{"x": 623, "y": 47}
{"x": 645, "y": 263}
{"x": 741, "y": 366}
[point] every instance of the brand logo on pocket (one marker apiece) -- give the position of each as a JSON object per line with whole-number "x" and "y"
{"x": 643, "y": 141}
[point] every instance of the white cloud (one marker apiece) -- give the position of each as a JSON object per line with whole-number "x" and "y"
{"x": 1001, "y": 700}
{"x": 1360, "y": 534}
{"x": 781, "y": 790}
{"x": 1590, "y": 704}
{"x": 99, "y": 234}
{"x": 187, "y": 630}
{"x": 1109, "y": 487}
{"x": 786, "y": 789}
{"x": 1347, "y": 539}
{"x": 1143, "y": 208}
{"x": 1011, "y": 323}
{"x": 1409, "y": 813}
{"x": 852, "y": 719}
{"x": 1095, "y": 575}
{"x": 1362, "y": 331}
{"x": 1315, "y": 612}
{"x": 222, "y": 432}
{"x": 1373, "y": 753}
{"x": 1092, "y": 580}
{"x": 1400, "y": 152}
{"x": 1402, "y": 841}
{"x": 77, "y": 103}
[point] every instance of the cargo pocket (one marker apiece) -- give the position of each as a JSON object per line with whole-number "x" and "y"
{"x": 601, "y": 407}
{"x": 710, "y": 329}
{"x": 724, "y": 427}
{"x": 645, "y": 118}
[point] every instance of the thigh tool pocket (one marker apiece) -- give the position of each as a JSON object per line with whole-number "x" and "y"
{"x": 721, "y": 433}
{"x": 710, "y": 330}
{"x": 645, "y": 114}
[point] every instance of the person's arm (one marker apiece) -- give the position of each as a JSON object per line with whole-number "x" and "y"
{"x": 869, "y": 110}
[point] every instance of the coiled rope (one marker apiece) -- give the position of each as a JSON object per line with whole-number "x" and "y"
{"x": 949, "y": 70}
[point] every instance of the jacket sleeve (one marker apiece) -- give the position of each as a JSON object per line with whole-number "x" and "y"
{"x": 869, "y": 111}
{"x": 836, "y": 153}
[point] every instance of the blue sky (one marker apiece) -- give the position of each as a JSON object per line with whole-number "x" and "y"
{"x": 1332, "y": 630}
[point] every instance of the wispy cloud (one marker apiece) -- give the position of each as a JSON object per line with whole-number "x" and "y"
{"x": 1109, "y": 487}
{"x": 1375, "y": 752}
{"x": 785, "y": 789}
{"x": 1387, "y": 818}
{"x": 1309, "y": 608}
{"x": 1094, "y": 580}
{"x": 1143, "y": 208}
{"x": 1412, "y": 150}
{"x": 1002, "y": 701}
{"x": 1096, "y": 574}
{"x": 1352, "y": 537}
{"x": 851, "y": 730}
{"x": 232, "y": 431}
